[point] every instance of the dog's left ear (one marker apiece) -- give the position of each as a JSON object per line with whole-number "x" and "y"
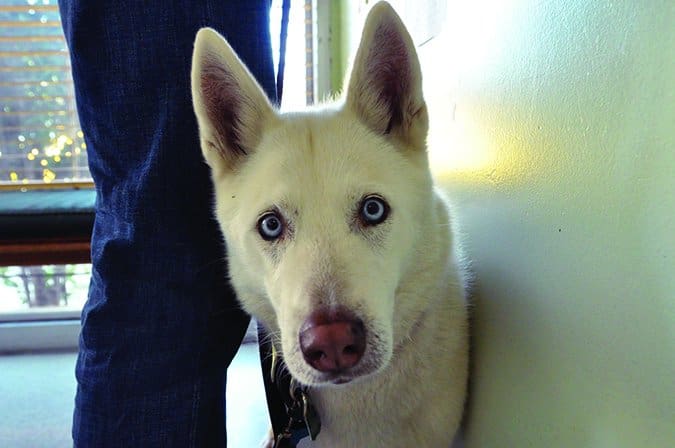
{"x": 385, "y": 87}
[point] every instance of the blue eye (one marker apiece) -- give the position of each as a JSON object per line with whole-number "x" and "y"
{"x": 270, "y": 226}
{"x": 374, "y": 210}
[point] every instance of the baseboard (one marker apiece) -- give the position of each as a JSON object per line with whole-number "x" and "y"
{"x": 39, "y": 335}
{"x": 22, "y": 335}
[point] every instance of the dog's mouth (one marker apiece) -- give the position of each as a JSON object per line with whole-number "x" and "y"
{"x": 338, "y": 379}
{"x": 363, "y": 370}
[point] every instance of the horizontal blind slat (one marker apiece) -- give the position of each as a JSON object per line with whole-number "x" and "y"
{"x": 32, "y": 38}
{"x": 25, "y": 8}
{"x": 14, "y": 54}
{"x": 30, "y": 24}
{"x": 44, "y": 68}
{"x": 36, "y": 98}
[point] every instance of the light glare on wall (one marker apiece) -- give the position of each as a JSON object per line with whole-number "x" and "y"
{"x": 458, "y": 147}
{"x": 462, "y": 142}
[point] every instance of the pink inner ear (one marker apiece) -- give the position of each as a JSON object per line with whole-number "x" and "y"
{"x": 389, "y": 72}
{"x": 222, "y": 101}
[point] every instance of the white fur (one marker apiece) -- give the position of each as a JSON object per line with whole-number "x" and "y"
{"x": 400, "y": 277}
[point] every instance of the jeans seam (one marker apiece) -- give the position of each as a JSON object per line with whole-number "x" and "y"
{"x": 195, "y": 413}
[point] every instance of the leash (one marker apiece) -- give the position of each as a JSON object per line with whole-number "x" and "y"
{"x": 292, "y": 414}
{"x": 283, "y": 37}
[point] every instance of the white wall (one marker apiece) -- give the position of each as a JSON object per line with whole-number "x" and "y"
{"x": 553, "y": 128}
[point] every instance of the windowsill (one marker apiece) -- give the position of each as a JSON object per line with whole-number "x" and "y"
{"x": 45, "y": 226}
{"x": 43, "y": 314}
{"x": 57, "y": 185}
{"x": 41, "y": 214}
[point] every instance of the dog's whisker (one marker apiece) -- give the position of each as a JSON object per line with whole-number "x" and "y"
{"x": 271, "y": 338}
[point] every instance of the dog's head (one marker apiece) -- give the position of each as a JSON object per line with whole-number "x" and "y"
{"x": 325, "y": 213}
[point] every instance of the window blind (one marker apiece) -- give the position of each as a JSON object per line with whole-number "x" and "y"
{"x": 40, "y": 137}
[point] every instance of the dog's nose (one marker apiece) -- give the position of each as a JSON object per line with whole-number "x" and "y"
{"x": 332, "y": 340}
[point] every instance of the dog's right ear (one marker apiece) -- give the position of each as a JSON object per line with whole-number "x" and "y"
{"x": 231, "y": 107}
{"x": 385, "y": 86}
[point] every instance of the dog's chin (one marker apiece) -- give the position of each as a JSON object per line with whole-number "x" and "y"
{"x": 334, "y": 380}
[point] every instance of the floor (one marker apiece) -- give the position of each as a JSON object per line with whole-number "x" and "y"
{"x": 36, "y": 400}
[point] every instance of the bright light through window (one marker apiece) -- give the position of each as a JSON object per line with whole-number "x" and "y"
{"x": 295, "y": 85}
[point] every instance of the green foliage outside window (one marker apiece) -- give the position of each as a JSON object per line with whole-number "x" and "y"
{"x": 43, "y": 286}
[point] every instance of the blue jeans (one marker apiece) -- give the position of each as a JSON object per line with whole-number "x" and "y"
{"x": 161, "y": 324}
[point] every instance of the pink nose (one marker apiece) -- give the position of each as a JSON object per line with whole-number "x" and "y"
{"x": 332, "y": 340}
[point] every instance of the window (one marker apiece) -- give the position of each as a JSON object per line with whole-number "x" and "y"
{"x": 24, "y": 288}
{"x": 297, "y": 82}
{"x": 40, "y": 137}
{"x": 42, "y": 147}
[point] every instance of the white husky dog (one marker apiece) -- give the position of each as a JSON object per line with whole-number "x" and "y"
{"x": 338, "y": 242}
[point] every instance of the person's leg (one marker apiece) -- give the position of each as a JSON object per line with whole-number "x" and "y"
{"x": 161, "y": 323}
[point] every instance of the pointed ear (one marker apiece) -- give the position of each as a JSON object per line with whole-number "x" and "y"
{"x": 385, "y": 87}
{"x": 232, "y": 109}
